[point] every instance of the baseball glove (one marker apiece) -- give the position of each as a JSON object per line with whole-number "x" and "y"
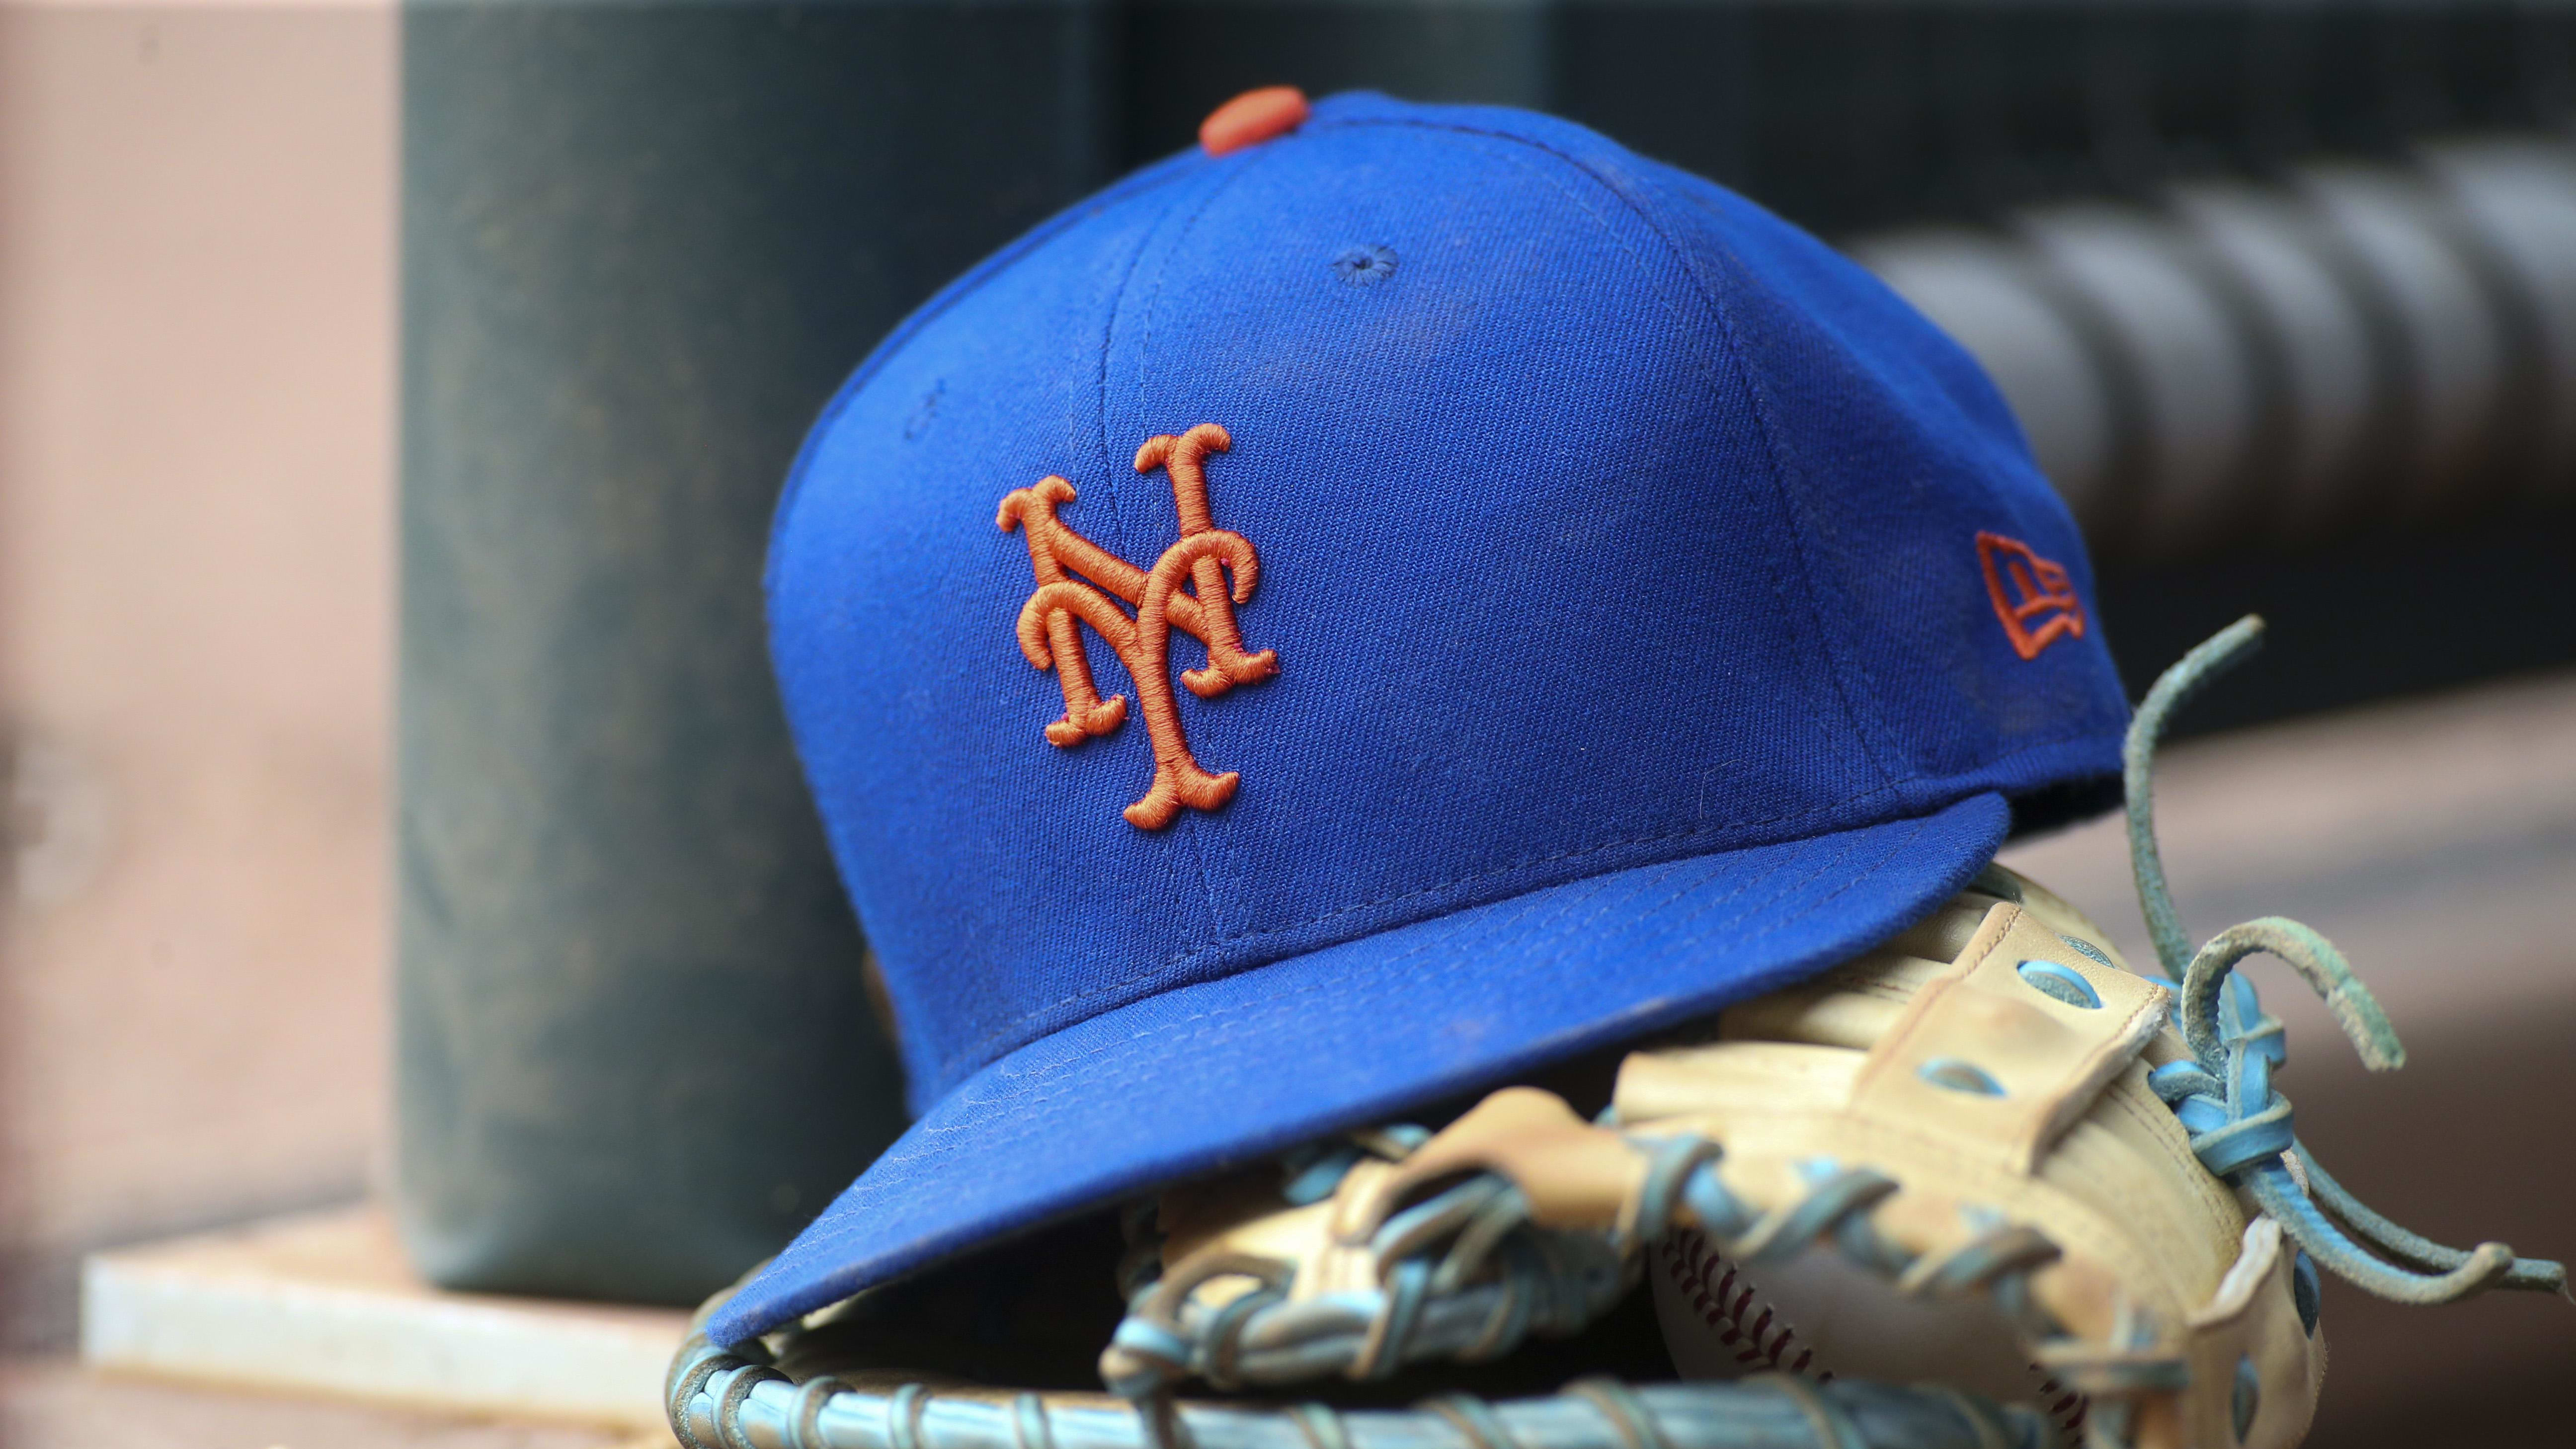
{"x": 1990, "y": 1109}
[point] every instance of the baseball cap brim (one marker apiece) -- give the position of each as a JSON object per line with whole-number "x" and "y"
{"x": 1215, "y": 1075}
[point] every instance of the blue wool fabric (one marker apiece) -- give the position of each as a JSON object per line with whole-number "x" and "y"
{"x": 1619, "y": 544}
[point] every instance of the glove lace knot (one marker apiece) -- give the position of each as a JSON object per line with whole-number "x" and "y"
{"x": 2240, "y": 1125}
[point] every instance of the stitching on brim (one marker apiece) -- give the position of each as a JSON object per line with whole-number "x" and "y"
{"x": 1844, "y": 847}
{"x": 1184, "y": 957}
{"x": 839, "y": 1284}
{"x": 1129, "y": 981}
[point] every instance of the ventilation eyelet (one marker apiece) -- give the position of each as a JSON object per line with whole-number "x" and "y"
{"x": 1365, "y": 266}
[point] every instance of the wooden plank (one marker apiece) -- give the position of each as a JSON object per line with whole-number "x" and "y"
{"x": 325, "y": 1304}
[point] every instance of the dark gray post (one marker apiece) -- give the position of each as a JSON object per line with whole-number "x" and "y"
{"x": 1183, "y": 57}
{"x": 641, "y": 245}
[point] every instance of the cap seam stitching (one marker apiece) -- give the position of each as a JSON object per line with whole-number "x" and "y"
{"x": 1879, "y": 750}
{"x": 947, "y": 299}
{"x": 954, "y": 294}
{"x": 1771, "y": 446}
{"x": 1226, "y": 178}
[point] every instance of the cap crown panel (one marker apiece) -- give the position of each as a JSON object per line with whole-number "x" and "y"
{"x": 1600, "y": 520}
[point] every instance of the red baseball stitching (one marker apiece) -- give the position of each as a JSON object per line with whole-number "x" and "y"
{"x": 1762, "y": 1337}
{"x": 2065, "y": 1408}
{"x": 1691, "y": 1263}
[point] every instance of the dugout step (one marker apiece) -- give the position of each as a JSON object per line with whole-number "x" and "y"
{"x": 325, "y": 1304}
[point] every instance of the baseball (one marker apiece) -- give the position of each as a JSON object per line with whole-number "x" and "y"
{"x": 1821, "y": 1317}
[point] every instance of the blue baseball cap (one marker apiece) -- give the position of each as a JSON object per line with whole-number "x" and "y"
{"x": 1367, "y": 609}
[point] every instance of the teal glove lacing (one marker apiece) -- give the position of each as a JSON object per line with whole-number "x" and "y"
{"x": 2240, "y": 1126}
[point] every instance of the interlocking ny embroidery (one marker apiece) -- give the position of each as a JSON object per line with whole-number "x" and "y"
{"x": 1201, "y": 560}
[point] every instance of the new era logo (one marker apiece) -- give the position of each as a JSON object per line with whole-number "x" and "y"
{"x": 1186, "y": 589}
{"x": 2032, "y": 596}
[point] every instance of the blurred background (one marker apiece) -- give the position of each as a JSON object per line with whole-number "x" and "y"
{"x": 391, "y": 400}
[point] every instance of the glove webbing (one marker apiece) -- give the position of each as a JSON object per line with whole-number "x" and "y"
{"x": 1426, "y": 1308}
{"x": 719, "y": 1400}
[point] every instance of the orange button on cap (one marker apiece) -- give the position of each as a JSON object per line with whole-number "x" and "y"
{"x": 1252, "y": 118}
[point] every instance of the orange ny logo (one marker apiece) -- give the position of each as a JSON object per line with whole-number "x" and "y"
{"x": 1184, "y": 590}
